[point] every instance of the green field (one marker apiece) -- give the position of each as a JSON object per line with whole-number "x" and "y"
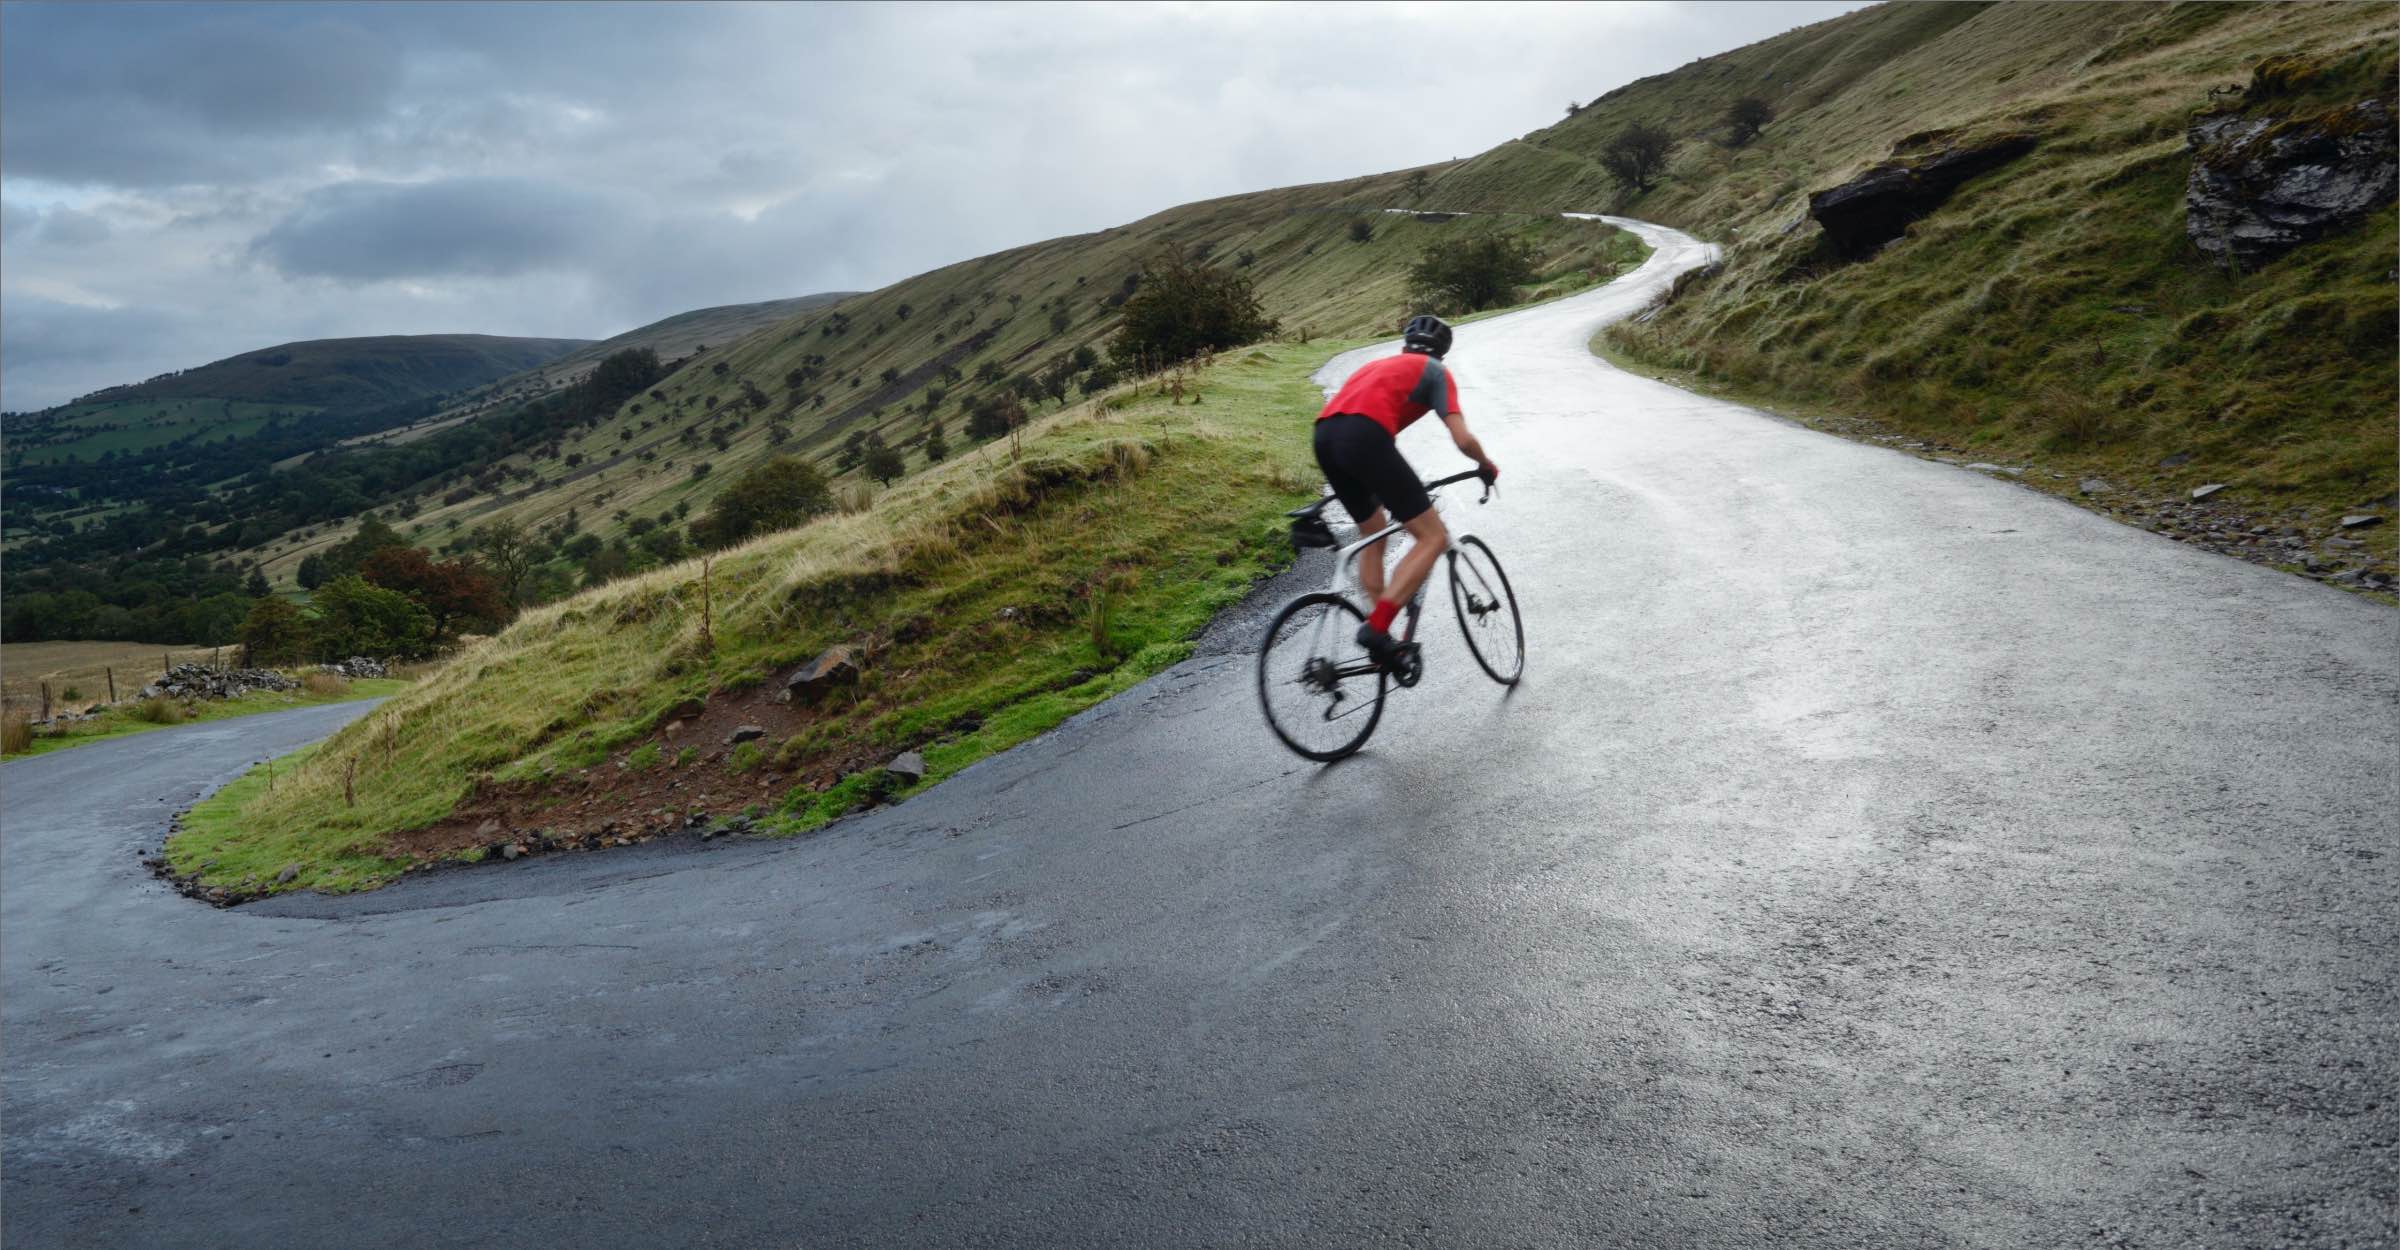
{"x": 87, "y": 432}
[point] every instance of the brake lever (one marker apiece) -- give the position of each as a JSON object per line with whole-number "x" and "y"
{"x": 1489, "y": 488}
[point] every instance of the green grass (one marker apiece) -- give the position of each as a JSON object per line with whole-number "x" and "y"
{"x": 214, "y": 840}
{"x": 974, "y": 586}
{"x": 125, "y": 719}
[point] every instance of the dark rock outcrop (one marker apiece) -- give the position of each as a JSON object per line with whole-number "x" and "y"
{"x": 1872, "y": 209}
{"x": 2262, "y": 184}
{"x": 199, "y": 681}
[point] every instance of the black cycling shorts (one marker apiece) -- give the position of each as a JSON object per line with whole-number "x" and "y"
{"x": 1364, "y": 465}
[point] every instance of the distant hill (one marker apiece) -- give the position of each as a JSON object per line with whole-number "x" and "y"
{"x": 671, "y": 337}
{"x": 684, "y": 333}
{"x": 348, "y": 374}
{"x": 236, "y": 397}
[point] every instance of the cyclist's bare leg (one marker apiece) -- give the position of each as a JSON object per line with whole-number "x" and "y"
{"x": 1429, "y": 539}
{"x": 1370, "y": 557}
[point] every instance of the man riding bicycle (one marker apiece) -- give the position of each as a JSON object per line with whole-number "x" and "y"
{"x": 1357, "y": 448}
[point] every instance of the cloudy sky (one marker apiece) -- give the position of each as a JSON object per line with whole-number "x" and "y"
{"x": 181, "y": 183}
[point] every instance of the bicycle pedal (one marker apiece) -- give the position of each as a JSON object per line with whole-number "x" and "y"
{"x": 1408, "y": 665}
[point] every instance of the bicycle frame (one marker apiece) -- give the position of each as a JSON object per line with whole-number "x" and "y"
{"x": 1345, "y": 565}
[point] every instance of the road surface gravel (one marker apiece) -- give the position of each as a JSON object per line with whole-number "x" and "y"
{"x": 1876, "y": 854}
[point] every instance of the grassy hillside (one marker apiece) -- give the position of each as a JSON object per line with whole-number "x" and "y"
{"x": 983, "y": 597}
{"x": 2051, "y": 314}
{"x": 671, "y": 337}
{"x": 875, "y": 361}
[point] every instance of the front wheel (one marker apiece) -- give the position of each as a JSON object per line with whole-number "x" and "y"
{"x": 1321, "y": 691}
{"x": 1487, "y": 610}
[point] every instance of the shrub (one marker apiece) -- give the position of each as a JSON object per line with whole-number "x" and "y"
{"x": 1361, "y": 230}
{"x": 993, "y": 416}
{"x": 644, "y": 758}
{"x": 16, "y": 734}
{"x": 323, "y": 683}
{"x": 1745, "y": 117}
{"x": 1179, "y": 310}
{"x": 1637, "y": 155}
{"x": 158, "y": 711}
{"x": 777, "y": 493}
{"x": 1468, "y": 277}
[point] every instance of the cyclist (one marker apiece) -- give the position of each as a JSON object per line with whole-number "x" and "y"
{"x": 1356, "y": 448}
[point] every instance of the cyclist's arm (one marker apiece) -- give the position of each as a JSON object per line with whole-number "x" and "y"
{"x": 1468, "y": 445}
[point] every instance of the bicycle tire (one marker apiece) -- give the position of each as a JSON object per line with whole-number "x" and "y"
{"x": 1272, "y": 678}
{"x": 1507, "y": 665}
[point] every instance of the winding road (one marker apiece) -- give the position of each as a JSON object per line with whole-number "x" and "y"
{"x": 1876, "y": 854}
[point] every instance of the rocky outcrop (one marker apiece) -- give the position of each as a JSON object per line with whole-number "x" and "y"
{"x": 837, "y": 666}
{"x": 199, "y": 681}
{"x": 2262, "y": 184}
{"x": 1872, "y": 209}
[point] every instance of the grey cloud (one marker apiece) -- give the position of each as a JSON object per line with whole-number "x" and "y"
{"x": 53, "y": 348}
{"x": 281, "y": 172}
{"x": 370, "y": 231}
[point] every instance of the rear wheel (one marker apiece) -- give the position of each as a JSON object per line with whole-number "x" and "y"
{"x": 1320, "y": 690}
{"x": 1487, "y": 610}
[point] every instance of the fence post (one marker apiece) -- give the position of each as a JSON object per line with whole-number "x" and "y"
{"x": 45, "y": 700}
{"x": 112, "y": 683}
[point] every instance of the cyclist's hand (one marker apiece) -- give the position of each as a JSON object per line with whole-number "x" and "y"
{"x": 1490, "y": 473}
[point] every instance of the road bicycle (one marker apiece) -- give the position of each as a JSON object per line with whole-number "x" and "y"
{"x": 1322, "y": 693}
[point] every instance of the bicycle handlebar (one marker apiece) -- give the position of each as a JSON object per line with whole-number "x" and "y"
{"x": 1313, "y": 509}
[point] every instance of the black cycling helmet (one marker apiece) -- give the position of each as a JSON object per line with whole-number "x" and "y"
{"x": 1426, "y": 333}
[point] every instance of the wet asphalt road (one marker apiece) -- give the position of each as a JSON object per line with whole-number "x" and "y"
{"x": 1876, "y": 854}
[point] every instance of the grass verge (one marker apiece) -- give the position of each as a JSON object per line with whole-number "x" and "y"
{"x": 990, "y": 598}
{"x": 126, "y": 719}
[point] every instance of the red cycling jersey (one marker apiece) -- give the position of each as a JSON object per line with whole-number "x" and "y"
{"x": 1395, "y": 391}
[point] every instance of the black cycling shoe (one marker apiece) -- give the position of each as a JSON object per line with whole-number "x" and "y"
{"x": 1401, "y": 659}
{"x": 1381, "y": 647}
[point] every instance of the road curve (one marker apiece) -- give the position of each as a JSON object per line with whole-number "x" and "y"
{"x": 1876, "y": 854}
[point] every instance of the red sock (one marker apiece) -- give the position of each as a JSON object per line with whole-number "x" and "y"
{"x": 1380, "y": 620}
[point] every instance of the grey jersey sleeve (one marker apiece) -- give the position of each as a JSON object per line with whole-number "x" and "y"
{"x": 1433, "y": 388}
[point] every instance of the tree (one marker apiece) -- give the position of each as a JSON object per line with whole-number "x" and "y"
{"x": 774, "y": 494}
{"x": 1472, "y": 276}
{"x": 1060, "y": 319}
{"x": 454, "y": 593}
{"x": 1637, "y": 155}
{"x": 884, "y": 463}
{"x": 275, "y": 633}
{"x": 1180, "y": 310}
{"x": 372, "y": 536}
{"x": 506, "y": 553}
{"x": 937, "y": 447}
{"x": 355, "y": 618}
{"x": 1361, "y": 230}
{"x": 1745, "y": 117}
{"x": 256, "y": 587}
{"x": 1418, "y": 183}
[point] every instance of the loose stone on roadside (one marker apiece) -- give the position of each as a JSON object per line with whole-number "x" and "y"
{"x": 909, "y": 768}
{"x": 2202, "y": 492}
{"x": 2361, "y": 522}
{"x": 746, "y": 733}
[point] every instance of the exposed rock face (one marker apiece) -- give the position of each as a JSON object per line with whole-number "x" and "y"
{"x": 1872, "y": 209}
{"x": 2262, "y": 185}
